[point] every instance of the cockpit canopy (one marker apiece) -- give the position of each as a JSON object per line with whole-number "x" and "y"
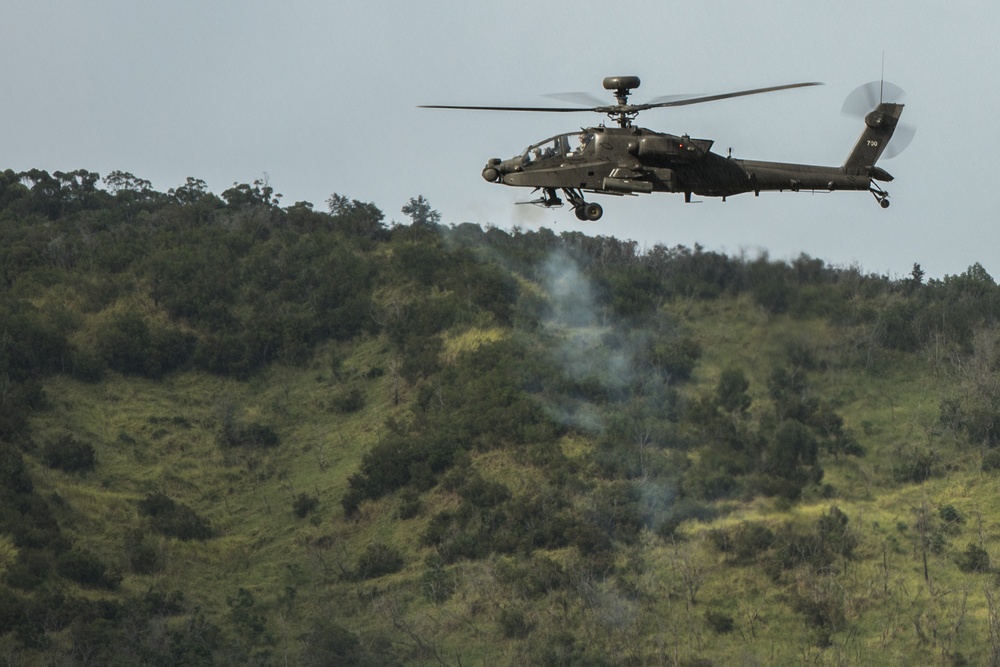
{"x": 561, "y": 145}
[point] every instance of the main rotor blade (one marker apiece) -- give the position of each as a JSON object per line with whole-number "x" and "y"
{"x": 583, "y": 99}
{"x": 723, "y": 96}
{"x": 479, "y": 108}
{"x": 672, "y": 101}
{"x": 672, "y": 98}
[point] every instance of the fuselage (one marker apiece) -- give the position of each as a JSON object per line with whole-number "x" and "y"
{"x": 633, "y": 160}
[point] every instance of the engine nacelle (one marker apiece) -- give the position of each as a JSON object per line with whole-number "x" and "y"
{"x": 658, "y": 148}
{"x": 665, "y": 149}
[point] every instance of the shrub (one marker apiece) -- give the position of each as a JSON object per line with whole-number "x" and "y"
{"x": 259, "y": 435}
{"x": 352, "y": 499}
{"x": 174, "y": 519}
{"x": 86, "y": 365}
{"x": 32, "y": 569}
{"x": 244, "y": 614}
{"x": 331, "y": 644}
{"x": 824, "y": 610}
{"x": 591, "y": 542}
{"x": 437, "y": 583}
{"x": 254, "y": 434}
{"x": 86, "y": 569}
{"x": 917, "y": 465}
{"x": 304, "y": 504}
{"x": 14, "y": 477}
{"x": 409, "y": 504}
{"x": 69, "y": 454}
{"x": 719, "y": 622}
{"x": 745, "y": 541}
{"x": 226, "y": 353}
{"x": 482, "y": 493}
{"x": 677, "y": 356}
{"x": 710, "y": 482}
{"x": 949, "y": 514}
{"x": 348, "y": 401}
{"x": 514, "y": 624}
{"x": 143, "y": 557}
{"x": 12, "y": 612}
{"x": 833, "y": 534}
{"x": 974, "y": 559}
{"x": 991, "y": 460}
{"x": 378, "y": 560}
{"x": 731, "y": 393}
{"x": 683, "y": 510}
{"x": 129, "y": 344}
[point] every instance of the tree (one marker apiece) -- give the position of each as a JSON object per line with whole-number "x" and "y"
{"x": 189, "y": 193}
{"x": 420, "y": 212}
{"x": 731, "y": 392}
{"x": 356, "y": 218}
{"x": 11, "y": 188}
{"x": 259, "y": 194}
{"x": 45, "y": 192}
{"x": 122, "y": 182}
{"x": 793, "y": 445}
{"x": 79, "y": 189}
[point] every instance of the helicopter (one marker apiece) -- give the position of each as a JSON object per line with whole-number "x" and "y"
{"x": 631, "y": 160}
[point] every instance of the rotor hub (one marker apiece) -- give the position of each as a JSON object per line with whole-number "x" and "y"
{"x": 623, "y": 87}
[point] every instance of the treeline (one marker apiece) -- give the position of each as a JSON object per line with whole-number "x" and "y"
{"x": 236, "y": 281}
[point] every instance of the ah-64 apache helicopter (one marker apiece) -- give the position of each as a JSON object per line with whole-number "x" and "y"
{"x": 629, "y": 160}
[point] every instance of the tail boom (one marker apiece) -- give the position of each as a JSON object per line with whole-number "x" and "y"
{"x": 857, "y": 173}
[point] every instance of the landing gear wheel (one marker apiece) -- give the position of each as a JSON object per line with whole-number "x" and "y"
{"x": 881, "y": 196}
{"x": 583, "y": 210}
{"x": 593, "y": 212}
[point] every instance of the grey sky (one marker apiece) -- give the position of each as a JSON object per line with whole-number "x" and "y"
{"x": 322, "y": 96}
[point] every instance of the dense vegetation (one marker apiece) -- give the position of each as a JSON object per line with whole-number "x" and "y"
{"x": 236, "y": 432}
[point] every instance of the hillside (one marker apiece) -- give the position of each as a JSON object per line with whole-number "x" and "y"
{"x": 233, "y": 432}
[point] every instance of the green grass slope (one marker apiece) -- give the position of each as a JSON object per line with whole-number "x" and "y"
{"x": 649, "y": 599}
{"x": 232, "y": 433}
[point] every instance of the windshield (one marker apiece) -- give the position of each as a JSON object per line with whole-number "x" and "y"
{"x": 571, "y": 143}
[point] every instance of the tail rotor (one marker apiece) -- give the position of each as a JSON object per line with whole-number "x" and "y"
{"x": 866, "y": 98}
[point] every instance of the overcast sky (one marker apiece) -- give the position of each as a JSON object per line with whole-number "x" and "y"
{"x": 321, "y": 97}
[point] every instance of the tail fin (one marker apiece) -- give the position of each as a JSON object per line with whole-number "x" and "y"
{"x": 879, "y": 126}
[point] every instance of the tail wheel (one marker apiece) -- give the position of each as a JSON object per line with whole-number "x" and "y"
{"x": 593, "y": 212}
{"x": 881, "y": 196}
